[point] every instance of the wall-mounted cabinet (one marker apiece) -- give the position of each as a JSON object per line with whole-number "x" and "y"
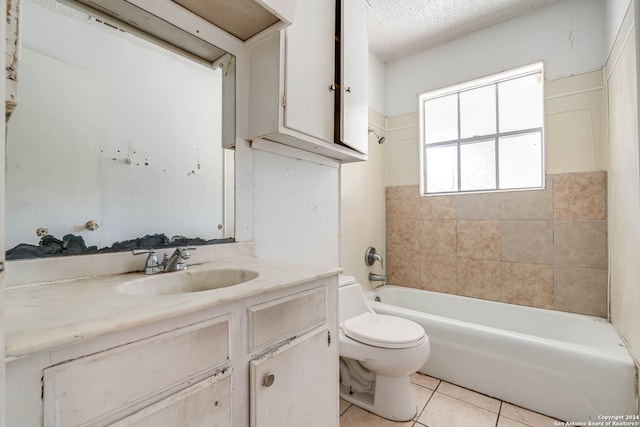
{"x": 308, "y": 84}
{"x": 354, "y": 83}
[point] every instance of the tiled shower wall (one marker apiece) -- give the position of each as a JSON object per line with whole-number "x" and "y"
{"x": 539, "y": 248}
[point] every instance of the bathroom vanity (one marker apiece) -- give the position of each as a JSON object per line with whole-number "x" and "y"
{"x": 83, "y": 352}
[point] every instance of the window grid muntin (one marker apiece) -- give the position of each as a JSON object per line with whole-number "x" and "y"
{"x": 496, "y": 136}
{"x": 480, "y": 138}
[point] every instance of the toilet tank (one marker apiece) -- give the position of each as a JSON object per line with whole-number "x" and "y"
{"x": 352, "y": 301}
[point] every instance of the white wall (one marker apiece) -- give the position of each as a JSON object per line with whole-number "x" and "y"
{"x": 296, "y": 206}
{"x": 117, "y": 140}
{"x": 621, "y": 74}
{"x": 377, "y": 75}
{"x": 568, "y": 36}
{"x": 3, "y": 31}
{"x": 362, "y": 207}
{"x": 615, "y": 11}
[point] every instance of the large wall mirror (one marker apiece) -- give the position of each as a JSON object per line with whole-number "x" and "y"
{"x": 114, "y": 136}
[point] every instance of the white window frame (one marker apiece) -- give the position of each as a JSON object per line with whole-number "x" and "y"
{"x": 494, "y": 79}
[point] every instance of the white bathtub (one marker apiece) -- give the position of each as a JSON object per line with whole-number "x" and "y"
{"x": 567, "y": 366}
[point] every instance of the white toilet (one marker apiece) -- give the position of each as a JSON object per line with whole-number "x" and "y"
{"x": 377, "y": 355}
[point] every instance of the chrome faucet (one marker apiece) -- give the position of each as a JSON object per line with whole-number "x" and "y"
{"x": 176, "y": 262}
{"x": 378, "y": 278}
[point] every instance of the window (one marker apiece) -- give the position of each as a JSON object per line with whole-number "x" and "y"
{"x": 484, "y": 135}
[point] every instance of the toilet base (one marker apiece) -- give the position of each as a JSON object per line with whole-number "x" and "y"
{"x": 392, "y": 399}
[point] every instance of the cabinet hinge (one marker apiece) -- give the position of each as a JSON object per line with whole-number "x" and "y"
{"x": 328, "y": 338}
{"x": 284, "y": 101}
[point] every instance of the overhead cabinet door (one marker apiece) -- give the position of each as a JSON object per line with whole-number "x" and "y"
{"x": 310, "y": 70}
{"x": 354, "y": 86}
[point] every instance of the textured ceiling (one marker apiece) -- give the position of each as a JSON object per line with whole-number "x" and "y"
{"x": 401, "y": 27}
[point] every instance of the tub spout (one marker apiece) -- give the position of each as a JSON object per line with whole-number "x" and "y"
{"x": 378, "y": 278}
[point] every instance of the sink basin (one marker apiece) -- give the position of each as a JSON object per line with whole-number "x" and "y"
{"x": 181, "y": 282}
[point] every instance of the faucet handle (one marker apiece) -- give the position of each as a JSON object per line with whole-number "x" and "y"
{"x": 371, "y": 256}
{"x": 151, "y": 266}
{"x": 143, "y": 251}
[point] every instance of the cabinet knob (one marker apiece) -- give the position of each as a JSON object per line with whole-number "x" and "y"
{"x": 332, "y": 87}
{"x": 349, "y": 89}
{"x": 269, "y": 379}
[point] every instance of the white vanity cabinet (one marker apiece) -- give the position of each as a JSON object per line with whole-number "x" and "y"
{"x": 202, "y": 368}
{"x": 144, "y": 380}
{"x": 308, "y": 89}
{"x": 294, "y": 361}
{"x": 207, "y": 403}
{"x": 289, "y": 386}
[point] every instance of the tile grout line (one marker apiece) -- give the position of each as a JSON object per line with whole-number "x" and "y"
{"x": 428, "y": 400}
{"x": 499, "y": 411}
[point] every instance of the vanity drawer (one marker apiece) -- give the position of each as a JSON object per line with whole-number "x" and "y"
{"x": 95, "y": 389}
{"x": 274, "y": 320}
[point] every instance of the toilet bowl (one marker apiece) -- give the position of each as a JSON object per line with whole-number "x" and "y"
{"x": 377, "y": 355}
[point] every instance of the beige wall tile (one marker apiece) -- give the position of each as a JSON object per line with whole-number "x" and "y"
{"x": 531, "y": 204}
{"x": 402, "y": 201}
{"x": 443, "y": 410}
{"x": 528, "y": 284}
{"x": 439, "y": 273}
{"x": 581, "y": 244}
{"x": 436, "y": 207}
{"x": 403, "y": 267}
{"x": 517, "y": 228}
{"x": 403, "y": 234}
{"x": 581, "y": 290}
{"x": 527, "y": 241}
{"x": 479, "y": 279}
{"x": 478, "y": 239}
{"x": 580, "y": 196}
{"x": 403, "y": 252}
{"x": 437, "y": 236}
{"x": 478, "y": 206}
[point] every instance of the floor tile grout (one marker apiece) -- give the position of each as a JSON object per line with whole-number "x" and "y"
{"x": 420, "y": 410}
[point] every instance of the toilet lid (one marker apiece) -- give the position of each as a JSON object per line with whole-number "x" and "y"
{"x": 385, "y": 331}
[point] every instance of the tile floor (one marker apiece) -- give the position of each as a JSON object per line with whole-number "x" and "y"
{"x": 441, "y": 404}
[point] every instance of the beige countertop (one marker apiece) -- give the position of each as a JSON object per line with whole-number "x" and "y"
{"x": 44, "y": 316}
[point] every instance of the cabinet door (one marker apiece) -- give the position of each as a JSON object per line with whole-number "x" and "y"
{"x": 297, "y": 384}
{"x": 310, "y": 71}
{"x": 354, "y": 86}
{"x": 106, "y": 386}
{"x": 205, "y": 404}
